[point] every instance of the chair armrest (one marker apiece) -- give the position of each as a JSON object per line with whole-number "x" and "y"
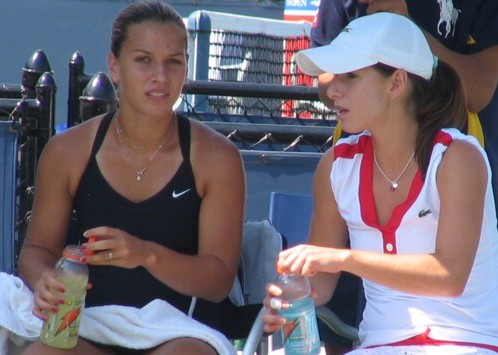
{"x": 255, "y": 335}
{"x": 336, "y": 324}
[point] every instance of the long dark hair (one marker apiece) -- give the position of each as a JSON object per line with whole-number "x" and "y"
{"x": 142, "y": 11}
{"x": 437, "y": 103}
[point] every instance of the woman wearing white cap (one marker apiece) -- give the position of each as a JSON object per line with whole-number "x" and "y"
{"x": 412, "y": 193}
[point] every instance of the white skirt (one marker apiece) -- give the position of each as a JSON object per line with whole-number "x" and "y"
{"x": 424, "y": 350}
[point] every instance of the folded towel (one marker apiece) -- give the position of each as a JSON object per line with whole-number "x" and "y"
{"x": 129, "y": 327}
{"x": 147, "y": 327}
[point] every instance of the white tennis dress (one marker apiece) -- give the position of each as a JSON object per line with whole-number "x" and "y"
{"x": 391, "y": 316}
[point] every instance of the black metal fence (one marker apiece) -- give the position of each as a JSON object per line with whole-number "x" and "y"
{"x": 29, "y": 109}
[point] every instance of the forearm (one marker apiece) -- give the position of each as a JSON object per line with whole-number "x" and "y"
{"x": 478, "y": 79}
{"x": 203, "y": 276}
{"x": 421, "y": 274}
{"x": 34, "y": 261}
{"x": 324, "y": 284}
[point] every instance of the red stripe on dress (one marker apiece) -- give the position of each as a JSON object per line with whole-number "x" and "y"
{"x": 424, "y": 339}
{"x": 367, "y": 202}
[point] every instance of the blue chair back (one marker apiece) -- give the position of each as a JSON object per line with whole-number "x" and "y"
{"x": 290, "y": 214}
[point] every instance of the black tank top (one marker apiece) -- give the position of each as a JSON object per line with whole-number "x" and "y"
{"x": 169, "y": 218}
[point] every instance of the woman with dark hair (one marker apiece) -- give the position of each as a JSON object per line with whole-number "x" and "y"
{"x": 411, "y": 192}
{"x": 161, "y": 195}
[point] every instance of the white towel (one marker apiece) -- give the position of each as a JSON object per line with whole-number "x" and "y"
{"x": 16, "y": 317}
{"x": 135, "y": 328}
{"x": 147, "y": 327}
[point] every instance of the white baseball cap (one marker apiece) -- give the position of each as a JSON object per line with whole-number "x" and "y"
{"x": 382, "y": 37}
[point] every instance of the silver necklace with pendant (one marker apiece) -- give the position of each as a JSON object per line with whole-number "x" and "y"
{"x": 140, "y": 173}
{"x": 393, "y": 183}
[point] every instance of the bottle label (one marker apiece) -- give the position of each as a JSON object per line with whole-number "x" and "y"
{"x": 61, "y": 329}
{"x": 300, "y": 333}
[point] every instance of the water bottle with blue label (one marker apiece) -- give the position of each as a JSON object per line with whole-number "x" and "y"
{"x": 300, "y": 332}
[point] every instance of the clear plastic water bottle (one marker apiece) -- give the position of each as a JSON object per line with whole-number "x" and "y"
{"x": 62, "y": 328}
{"x": 300, "y": 332}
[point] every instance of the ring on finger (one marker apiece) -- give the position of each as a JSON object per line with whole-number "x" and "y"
{"x": 275, "y": 303}
{"x": 110, "y": 255}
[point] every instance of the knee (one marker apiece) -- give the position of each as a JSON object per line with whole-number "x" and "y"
{"x": 187, "y": 346}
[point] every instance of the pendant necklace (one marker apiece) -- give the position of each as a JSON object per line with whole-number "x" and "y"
{"x": 393, "y": 183}
{"x": 124, "y": 137}
{"x": 140, "y": 173}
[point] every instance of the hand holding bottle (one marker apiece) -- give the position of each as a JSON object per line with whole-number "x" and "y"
{"x": 272, "y": 320}
{"x": 61, "y": 327}
{"x": 292, "y": 308}
{"x": 44, "y": 298}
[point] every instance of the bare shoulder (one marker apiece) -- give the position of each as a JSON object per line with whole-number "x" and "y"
{"x": 326, "y": 160}
{"x": 207, "y": 141}
{"x": 321, "y": 182}
{"x": 73, "y": 142}
{"x": 463, "y": 163}
{"x": 215, "y": 159}
{"x": 461, "y": 152}
{"x": 67, "y": 153}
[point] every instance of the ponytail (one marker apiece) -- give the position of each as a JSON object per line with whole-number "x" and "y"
{"x": 439, "y": 103}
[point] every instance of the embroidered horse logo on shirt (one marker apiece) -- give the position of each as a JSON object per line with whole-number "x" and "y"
{"x": 448, "y": 15}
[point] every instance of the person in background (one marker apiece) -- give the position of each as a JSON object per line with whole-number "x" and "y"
{"x": 331, "y": 17}
{"x": 163, "y": 195}
{"x": 462, "y": 33}
{"x": 411, "y": 192}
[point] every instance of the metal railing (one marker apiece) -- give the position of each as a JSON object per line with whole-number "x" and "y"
{"x": 29, "y": 108}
